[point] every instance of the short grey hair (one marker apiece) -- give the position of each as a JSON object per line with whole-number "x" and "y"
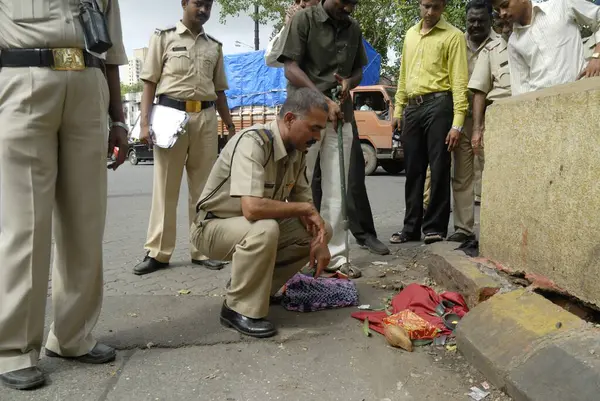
{"x": 301, "y": 100}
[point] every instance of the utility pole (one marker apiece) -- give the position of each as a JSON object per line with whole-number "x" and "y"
{"x": 256, "y": 28}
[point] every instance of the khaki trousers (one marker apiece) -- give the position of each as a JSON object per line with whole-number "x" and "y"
{"x": 264, "y": 255}
{"x": 53, "y": 152}
{"x": 463, "y": 182}
{"x": 479, "y": 164}
{"x": 427, "y": 189}
{"x": 197, "y": 152}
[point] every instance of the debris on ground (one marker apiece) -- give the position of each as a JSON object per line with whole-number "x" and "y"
{"x": 366, "y": 328}
{"x": 184, "y": 292}
{"x": 379, "y": 263}
{"x": 478, "y": 394}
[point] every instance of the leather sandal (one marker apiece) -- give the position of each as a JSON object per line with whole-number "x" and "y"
{"x": 401, "y": 237}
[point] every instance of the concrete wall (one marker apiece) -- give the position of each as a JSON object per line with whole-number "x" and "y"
{"x": 541, "y": 186}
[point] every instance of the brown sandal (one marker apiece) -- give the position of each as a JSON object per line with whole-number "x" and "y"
{"x": 401, "y": 237}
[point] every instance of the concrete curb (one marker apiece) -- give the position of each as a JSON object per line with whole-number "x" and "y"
{"x": 524, "y": 344}
{"x": 457, "y": 272}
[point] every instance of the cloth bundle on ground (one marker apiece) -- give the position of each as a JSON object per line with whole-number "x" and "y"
{"x": 304, "y": 293}
{"x": 423, "y": 301}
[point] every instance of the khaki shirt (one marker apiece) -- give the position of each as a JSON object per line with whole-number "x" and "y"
{"x": 46, "y": 24}
{"x": 185, "y": 66}
{"x": 473, "y": 55}
{"x": 322, "y": 47}
{"x": 492, "y": 73}
{"x": 255, "y": 164}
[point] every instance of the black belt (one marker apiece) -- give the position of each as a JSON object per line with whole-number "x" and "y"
{"x": 58, "y": 59}
{"x": 191, "y": 106}
{"x": 419, "y": 100}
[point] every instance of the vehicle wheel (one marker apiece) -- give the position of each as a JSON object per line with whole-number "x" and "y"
{"x": 392, "y": 167}
{"x": 370, "y": 158}
{"x": 133, "y": 158}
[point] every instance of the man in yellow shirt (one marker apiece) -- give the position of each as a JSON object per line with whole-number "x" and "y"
{"x": 431, "y": 103}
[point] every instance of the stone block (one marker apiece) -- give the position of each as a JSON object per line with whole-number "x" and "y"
{"x": 456, "y": 272}
{"x": 541, "y": 198}
{"x": 503, "y": 333}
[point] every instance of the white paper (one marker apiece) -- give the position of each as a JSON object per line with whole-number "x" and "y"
{"x": 166, "y": 125}
{"x": 477, "y": 394}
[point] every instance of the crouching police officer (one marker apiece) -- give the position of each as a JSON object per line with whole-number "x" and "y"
{"x": 55, "y": 101}
{"x": 256, "y": 210}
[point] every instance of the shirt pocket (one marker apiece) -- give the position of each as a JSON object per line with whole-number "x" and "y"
{"x": 503, "y": 75}
{"x": 29, "y": 10}
{"x": 179, "y": 62}
{"x": 206, "y": 62}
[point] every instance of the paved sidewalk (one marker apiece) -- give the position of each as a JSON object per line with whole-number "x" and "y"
{"x": 172, "y": 346}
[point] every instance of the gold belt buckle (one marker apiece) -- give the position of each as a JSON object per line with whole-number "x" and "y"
{"x": 193, "y": 106}
{"x": 68, "y": 59}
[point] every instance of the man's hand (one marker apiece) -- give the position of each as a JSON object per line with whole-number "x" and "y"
{"x": 591, "y": 70}
{"x": 117, "y": 139}
{"x": 396, "y": 122}
{"x": 477, "y": 141}
{"x": 345, "y": 87}
{"x": 145, "y": 136}
{"x": 319, "y": 257}
{"x": 315, "y": 225}
{"x": 452, "y": 139}
{"x": 230, "y": 131}
{"x": 335, "y": 112}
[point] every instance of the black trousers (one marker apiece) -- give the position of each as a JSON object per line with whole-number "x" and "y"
{"x": 424, "y": 132}
{"x": 359, "y": 208}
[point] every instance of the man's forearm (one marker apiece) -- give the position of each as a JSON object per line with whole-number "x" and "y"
{"x": 223, "y": 108}
{"x": 261, "y": 208}
{"x": 115, "y": 107}
{"x": 146, "y": 104}
{"x": 479, "y": 107}
{"x": 356, "y": 78}
{"x": 297, "y": 77}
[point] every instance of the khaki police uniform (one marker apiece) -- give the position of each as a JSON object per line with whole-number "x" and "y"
{"x": 491, "y": 75}
{"x": 265, "y": 254}
{"x": 188, "y": 69}
{"x": 53, "y": 145}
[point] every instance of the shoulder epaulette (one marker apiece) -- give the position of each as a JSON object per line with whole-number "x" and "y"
{"x": 159, "y": 31}
{"x": 492, "y": 45}
{"x": 213, "y": 39}
{"x": 265, "y": 134}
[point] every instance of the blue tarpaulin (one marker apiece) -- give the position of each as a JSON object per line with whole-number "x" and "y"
{"x": 252, "y": 83}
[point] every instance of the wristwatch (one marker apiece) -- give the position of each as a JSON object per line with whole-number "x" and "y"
{"x": 596, "y": 55}
{"x": 119, "y": 124}
{"x": 458, "y": 128}
{"x": 231, "y": 126}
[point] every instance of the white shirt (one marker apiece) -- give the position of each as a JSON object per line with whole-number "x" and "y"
{"x": 549, "y": 51}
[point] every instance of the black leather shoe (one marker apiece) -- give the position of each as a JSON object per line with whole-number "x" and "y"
{"x": 24, "y": 379}
{"x": 99, "y": 354}
{"x": 259, "y": 328}
{"x": 210, "y": 264}
{"x": 148, "y": 265}
{"x": 374, "y": 245}
{"x": 461, "y": 237}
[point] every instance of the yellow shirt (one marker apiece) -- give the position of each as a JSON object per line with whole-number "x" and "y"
{"x": 434, "y": 62}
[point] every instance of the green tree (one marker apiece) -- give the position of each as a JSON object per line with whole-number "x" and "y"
{"x": 138, "y": 87}
{"x": 384, "y": 22}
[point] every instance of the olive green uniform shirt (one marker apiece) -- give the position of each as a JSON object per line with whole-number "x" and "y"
{"x": 185, "y": 66}
{"x": 322, "y": 47}
{"x": 255, "y": 163}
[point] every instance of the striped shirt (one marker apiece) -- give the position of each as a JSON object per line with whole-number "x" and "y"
{"x": 549, "y": 51}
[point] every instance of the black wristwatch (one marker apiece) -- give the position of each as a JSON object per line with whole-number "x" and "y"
{"x": 231, "y": 126}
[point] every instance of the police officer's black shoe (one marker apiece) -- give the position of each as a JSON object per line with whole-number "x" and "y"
{"x": 259, "y": 328}
{"x": 374, "y": 245}
{"x": 23, "y": 379}
{"x": 210, "y": 264}
{"x": 148, "y": 265}
{"x": 99, "y": 354}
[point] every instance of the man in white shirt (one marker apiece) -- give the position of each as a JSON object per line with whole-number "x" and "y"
{"x": 545, "y": 48}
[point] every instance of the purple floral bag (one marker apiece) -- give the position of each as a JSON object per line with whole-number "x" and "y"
{"x": 307, "y": 294}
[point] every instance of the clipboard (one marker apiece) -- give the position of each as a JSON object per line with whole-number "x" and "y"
{"x": 166, "y": 125}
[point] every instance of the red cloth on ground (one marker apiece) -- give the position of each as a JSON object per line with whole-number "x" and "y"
{"x": 422, "y": 300}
